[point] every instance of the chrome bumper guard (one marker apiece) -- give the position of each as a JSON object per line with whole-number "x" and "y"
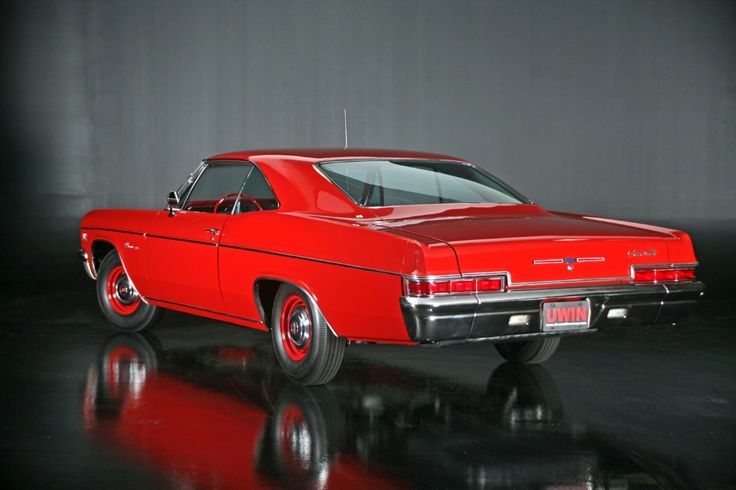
{"x": 85, "y": 262}
{"x": 485, "y": 317}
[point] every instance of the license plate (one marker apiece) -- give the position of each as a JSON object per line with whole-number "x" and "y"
{"x": 565, "y": 315}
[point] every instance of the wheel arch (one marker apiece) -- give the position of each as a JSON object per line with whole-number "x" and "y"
{"x": 101, "y": 248}
{"x": 264, "y": 293}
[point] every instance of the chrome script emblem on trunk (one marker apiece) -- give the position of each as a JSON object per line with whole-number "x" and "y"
{"x": 641, "y": 253}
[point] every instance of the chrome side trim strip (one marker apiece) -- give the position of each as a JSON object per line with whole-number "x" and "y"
{"x": 570, "y": 281}
{"x": 445, "y": 301}
{"x": 583, "y": 291}
{"x": 311, "y": 259}
{"x": 115, "y": 231}
{"x": 198, "y": 242}
{"x": 157, "y": 300}
{"x": 541, "y": 294}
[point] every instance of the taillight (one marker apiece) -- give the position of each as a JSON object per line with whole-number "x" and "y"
{"x": 431, "y": 287}
{"x": 658, "y": 274}
{"x": 491, "y": 284}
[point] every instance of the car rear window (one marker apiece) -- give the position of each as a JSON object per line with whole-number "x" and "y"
{"x": 401, "y": 182}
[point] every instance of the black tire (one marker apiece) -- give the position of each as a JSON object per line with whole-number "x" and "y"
{"x": 313, "y": 361}
{"x": 131, "y": 317}
{"x": 530, "y": 352}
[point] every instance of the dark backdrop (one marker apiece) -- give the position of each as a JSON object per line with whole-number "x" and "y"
{"x": 618, "y": 108}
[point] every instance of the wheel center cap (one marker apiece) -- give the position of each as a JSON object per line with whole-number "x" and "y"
{"x": 300, "y": 327}
{"x": 125, "y": 292}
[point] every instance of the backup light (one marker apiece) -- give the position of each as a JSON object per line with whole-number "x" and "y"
{"x": 659, "y": 274}
{"x": 519, "y": 320}
{"x": 618, "y": 313}
{"x": 460, "y": 285}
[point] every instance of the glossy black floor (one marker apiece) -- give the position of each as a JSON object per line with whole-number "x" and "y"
{"x": 200, "y": 404}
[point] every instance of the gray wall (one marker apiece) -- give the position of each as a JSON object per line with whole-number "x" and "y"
{"x": 618, "y": 108}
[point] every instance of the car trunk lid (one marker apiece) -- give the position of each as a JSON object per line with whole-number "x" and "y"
{"x": 535, "y": 247}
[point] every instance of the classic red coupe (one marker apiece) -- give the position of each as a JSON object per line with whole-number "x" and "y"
{"x": 326, "y": 247}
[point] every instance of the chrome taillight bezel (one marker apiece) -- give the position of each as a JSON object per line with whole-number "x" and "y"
{"x": 687, "y": 271}
{"x": 446, "y": 285}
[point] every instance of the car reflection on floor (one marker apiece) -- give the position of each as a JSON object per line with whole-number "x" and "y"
{"x": 223, "y": 416}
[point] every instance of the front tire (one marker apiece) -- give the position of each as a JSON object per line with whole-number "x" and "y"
{"x": 530, "y": 352}
{"x": 305, "y": 346}
{"x": 120, "y": 303}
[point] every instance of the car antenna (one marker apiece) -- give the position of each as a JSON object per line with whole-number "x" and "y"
{"x": 345, "y": 120}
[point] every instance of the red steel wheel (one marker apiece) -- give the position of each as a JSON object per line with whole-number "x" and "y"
{"x": 120, "y": 302}
{"x": 123, "y": 297}
{"x": 306, "y": 347}
{"x": 296, "y": 327}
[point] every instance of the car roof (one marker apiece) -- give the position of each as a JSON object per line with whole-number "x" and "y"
{"x": 311, "y": 155}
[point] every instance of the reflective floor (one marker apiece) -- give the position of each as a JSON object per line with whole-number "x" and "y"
{"x": 200, "y": 404}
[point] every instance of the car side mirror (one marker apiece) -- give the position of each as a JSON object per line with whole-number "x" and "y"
{"x": 172, "y": 201}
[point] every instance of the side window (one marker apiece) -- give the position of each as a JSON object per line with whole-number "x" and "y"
{"x": 217, "y": 188}
{"x": 257, "y": 187}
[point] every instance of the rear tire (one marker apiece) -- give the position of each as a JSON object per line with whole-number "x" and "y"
{"x": 305, "y": 346}
{"x": 120, "y": 303}
{"x": 530, "y": 352}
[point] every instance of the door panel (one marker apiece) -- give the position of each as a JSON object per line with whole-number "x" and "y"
{"x": 181, "y": 247}
{"x": 181, "y": 255}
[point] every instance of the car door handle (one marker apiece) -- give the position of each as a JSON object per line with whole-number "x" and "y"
{"x": 212, "y": 231}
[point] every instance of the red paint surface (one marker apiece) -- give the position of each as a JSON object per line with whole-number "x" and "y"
{"x": 344, "y": 255}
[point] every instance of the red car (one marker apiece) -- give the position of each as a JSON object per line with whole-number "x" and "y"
{"x": 324, "y": 247}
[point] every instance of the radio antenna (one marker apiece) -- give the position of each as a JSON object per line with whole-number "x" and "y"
{"x": 345, "y": 121}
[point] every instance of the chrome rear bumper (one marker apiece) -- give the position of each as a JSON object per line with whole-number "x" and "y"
{"x": 454, "y": 319}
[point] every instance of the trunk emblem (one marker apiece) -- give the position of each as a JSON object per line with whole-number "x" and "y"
{"x": 641, "y": 253}
{"x": 568, "y": 260}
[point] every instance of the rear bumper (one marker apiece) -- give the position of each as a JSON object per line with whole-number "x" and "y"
{"x": 452, "y": 319}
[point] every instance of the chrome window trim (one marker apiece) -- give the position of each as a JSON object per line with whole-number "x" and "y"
{"x": 198, "y": 171}
{"x": 207, "y": 163}
{"x": 202, "y": 167}
{"x": 516, "y": 194}
{"x": 254, "y": 164}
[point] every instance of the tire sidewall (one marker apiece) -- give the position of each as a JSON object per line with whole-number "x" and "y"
{"x": 312, "y": 361}
{"x": 134, "y": 322}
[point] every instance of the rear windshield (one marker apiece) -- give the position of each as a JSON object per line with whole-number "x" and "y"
{"x": 401, "y": 182}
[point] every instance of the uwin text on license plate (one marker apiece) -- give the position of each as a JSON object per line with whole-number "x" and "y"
{"x": 565, "y": 315}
